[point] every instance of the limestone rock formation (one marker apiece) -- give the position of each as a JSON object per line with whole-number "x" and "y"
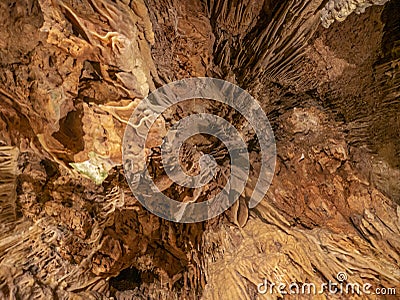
{"x": 71, "y": 74}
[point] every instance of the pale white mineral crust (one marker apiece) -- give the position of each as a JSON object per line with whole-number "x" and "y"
{"x": 339, "y": 10}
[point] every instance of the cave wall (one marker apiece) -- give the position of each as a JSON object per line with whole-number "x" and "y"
{"x": 71, "y": 74}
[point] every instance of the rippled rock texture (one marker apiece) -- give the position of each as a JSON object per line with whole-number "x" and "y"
{"x": 71, "y": 74}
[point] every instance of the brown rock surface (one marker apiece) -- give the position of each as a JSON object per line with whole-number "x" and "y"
{"x": 71, "y": 74}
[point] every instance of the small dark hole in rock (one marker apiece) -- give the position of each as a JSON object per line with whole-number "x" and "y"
{"x": 128, "y": 279}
